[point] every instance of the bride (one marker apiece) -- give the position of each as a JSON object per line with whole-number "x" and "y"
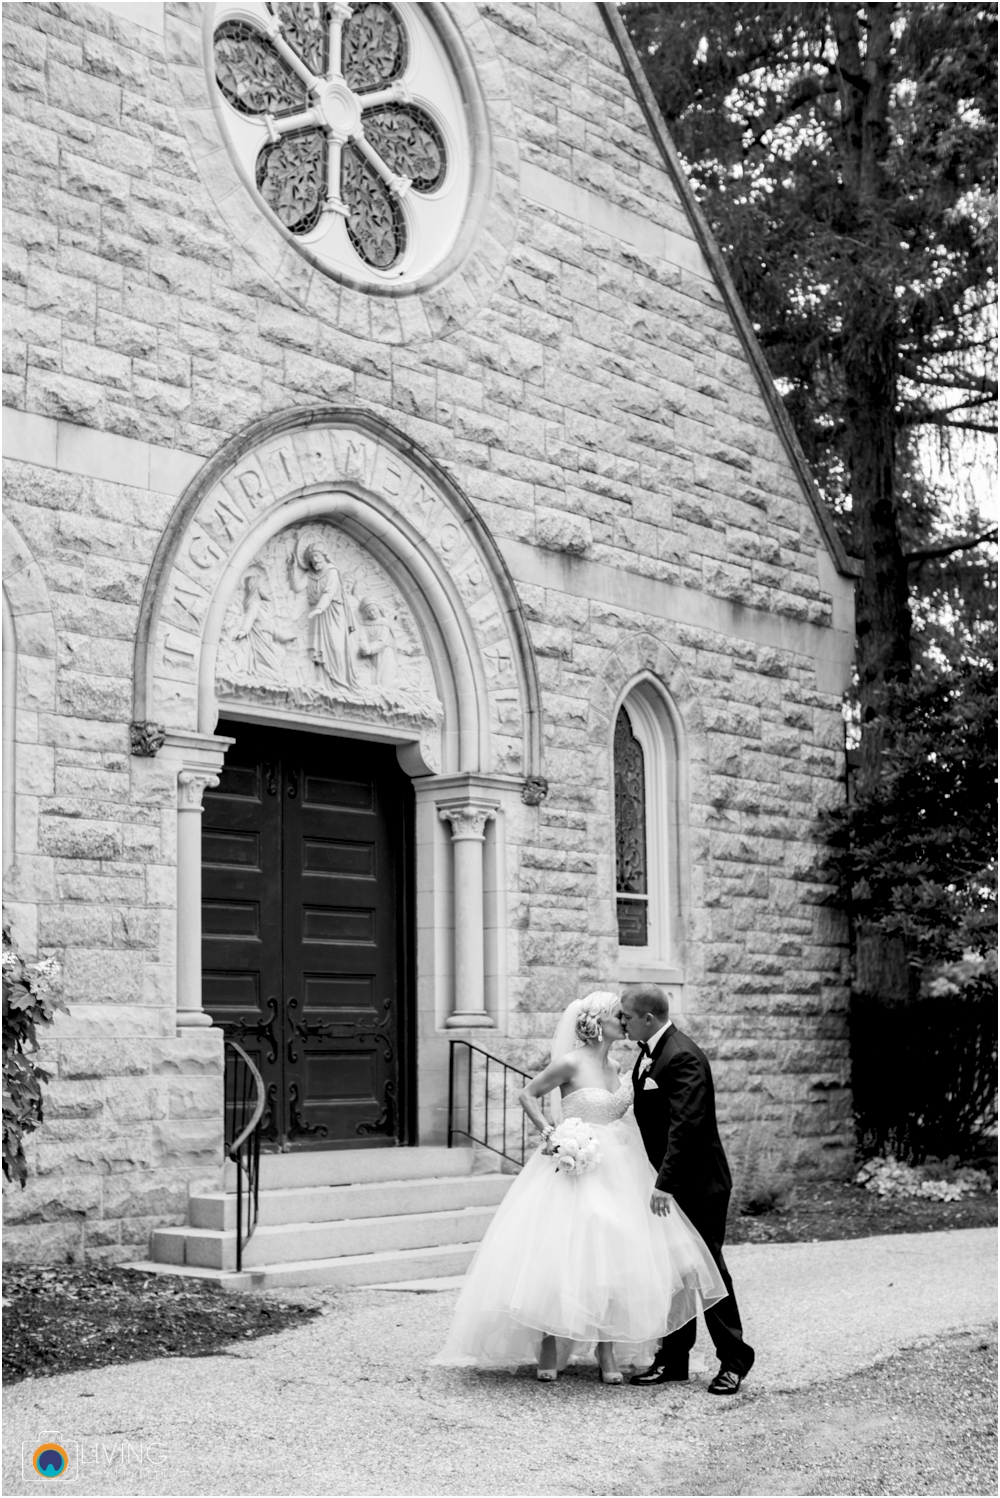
{"x": 570, "y": 1261}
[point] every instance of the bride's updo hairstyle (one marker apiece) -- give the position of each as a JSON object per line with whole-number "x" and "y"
{"x": 579, "y": 1023}
{"x": 594, "y": 1008}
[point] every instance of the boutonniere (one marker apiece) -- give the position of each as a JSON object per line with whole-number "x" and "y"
{"x": 649, "y": 1085}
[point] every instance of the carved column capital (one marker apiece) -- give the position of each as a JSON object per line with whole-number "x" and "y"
{"x": 468, "y": 822}
{"x": 146, "y": 739}
{"x": 191, "y": 786}
{"x": 534, "y": 790}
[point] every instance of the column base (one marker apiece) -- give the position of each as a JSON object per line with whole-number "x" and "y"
{"x": 193, "y": 1019}
{"x": 473, "y": 1020}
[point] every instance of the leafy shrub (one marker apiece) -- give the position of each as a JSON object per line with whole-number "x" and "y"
{"x": 763, "y": 1174}
{"x": 940, "y": 1180}
{"x": 27, "y": 1002}
{"x": 915, "y": 850}
{"x": 915, "y": 856}
{"x": 924, "y": 1072}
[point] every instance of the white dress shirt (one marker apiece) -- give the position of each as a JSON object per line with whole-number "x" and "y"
{"x": 652, "y": 1043}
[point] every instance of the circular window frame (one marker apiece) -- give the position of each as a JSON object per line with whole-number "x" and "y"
{"x": 428, "y": 305}
{"x": 459, "y": 152}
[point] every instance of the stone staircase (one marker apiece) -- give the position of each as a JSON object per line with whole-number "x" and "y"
{"x": 340, "y": 1218}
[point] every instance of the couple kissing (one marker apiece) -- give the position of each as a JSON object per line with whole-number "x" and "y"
{"x": 610, "y": 1239}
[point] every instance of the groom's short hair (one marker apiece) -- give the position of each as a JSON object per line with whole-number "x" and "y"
{"x": 648, "y": 998}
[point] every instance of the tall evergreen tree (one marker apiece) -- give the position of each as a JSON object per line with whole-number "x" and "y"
{"x": 846, "y": 158}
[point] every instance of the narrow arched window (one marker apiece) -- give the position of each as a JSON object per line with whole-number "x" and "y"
{"x": 630, "y": 836}
{"x": 649, "y": 827}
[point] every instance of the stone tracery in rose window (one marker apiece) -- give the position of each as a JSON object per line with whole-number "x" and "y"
{"x": 341, "y": 137}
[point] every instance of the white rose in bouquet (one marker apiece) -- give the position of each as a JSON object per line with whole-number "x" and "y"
{"x": 574, "y": 1147}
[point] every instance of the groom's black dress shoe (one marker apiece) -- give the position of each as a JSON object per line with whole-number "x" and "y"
{"x": 660, "y": 1375}
{"x": 726, "y": 1381}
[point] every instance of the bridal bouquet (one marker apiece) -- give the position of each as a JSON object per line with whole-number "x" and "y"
{"x": 573, "y": 1144}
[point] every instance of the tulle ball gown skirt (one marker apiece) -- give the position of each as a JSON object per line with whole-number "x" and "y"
{"x": 582, "y": 1259}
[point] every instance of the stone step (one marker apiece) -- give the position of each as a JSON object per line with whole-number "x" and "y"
{"x": 217, "y": 1209}
{"x": 212, "y": 1248}
{"x": 402, "y": 1269}
{"x": 356, "y": 1167}
{"x": 401, "y": 1265}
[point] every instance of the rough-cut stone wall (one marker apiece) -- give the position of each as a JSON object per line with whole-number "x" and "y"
{"x": 601, "y": 414}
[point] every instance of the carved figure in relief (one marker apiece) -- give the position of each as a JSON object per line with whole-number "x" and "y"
{"x": 331, "y": 613}
{"x": 256, "y": 651}
{"x": 378, "y": 644}
{"x": 318, "y": 625}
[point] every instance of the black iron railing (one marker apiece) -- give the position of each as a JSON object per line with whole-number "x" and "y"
{"x": 482, "y": 1102}
{"x": 244, "y": 1110}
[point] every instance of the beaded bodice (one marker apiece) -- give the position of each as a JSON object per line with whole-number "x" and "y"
{"x": 595, "y": 1105}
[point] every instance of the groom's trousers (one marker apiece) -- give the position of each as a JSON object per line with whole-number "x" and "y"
{"x": 708, "y": 1215}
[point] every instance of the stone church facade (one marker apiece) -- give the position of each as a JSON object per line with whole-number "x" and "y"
{"x": 417, "y": 610}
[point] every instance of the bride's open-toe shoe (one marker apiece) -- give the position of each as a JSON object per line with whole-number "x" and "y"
{"x": 548, "y": 1371}
{"x": 609, "y": 1375}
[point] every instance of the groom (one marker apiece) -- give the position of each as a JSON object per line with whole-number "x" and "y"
{"x": 675, "y": 1111}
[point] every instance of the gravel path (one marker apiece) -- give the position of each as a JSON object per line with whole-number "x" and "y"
{"x": 347, "y": 1404}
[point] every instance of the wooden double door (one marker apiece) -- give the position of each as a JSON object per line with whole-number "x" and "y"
{"x": 306, "y": 931}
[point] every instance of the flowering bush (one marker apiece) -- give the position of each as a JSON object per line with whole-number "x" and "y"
{"x": 575, "y": 1149}
{"x": 27, "y": 1001}
{"x": 943, "y": 1181}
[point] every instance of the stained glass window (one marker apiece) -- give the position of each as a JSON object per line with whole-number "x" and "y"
{"x": 630, "y": 836}
{"x": 342, "y": 143}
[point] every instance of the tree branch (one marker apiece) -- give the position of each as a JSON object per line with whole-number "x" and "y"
{"x": 925, "y": 553}
{"x": 808, "y": 89}
{"x": 982, "y": 385}
{"x": 924, "y": 415}
{"x": 954, "y": 426}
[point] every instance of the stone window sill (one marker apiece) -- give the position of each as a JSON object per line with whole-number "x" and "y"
{"x": 649, "y": 972}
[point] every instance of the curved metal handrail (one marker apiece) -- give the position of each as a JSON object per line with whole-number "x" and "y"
{"x": 258, "y": 1111}
{"x": 244, "y": 1151}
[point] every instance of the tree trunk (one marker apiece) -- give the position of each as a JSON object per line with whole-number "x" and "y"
{"x": 871, "y": 361}
{"x": 871, "y": 364}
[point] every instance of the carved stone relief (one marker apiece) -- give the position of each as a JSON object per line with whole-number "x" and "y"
{"x": 317, "y": 625}
{"x": 343, "y": 461}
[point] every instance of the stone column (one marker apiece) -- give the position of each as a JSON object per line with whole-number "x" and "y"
{"x": 468, "y": 823}
{"x": 191, "y": 786}
{"x": 192, "y": 762}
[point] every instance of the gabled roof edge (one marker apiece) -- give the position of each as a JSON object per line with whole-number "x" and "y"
{"x": 848, "y": 566}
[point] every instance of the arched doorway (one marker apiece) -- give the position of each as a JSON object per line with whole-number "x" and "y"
{"x": 327, "y": 602}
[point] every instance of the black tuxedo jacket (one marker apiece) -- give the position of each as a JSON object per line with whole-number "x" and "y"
{"x": 677, "y": 1120}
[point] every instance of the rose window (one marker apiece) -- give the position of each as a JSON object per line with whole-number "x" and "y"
{"x": 349, "y": 121}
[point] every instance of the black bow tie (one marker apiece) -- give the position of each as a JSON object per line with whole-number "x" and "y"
{"x": 644, "y": 1049}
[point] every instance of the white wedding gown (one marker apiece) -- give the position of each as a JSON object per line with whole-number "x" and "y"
{"x": 582, "y": 1258}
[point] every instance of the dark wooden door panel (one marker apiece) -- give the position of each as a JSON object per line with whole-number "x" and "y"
{"x": 305, "y": 929}
{"x": 241, "y": 910}
{"x": 342, "y": 917}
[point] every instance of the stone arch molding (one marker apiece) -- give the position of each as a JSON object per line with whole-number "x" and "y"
{"x": 296, "y": 477}
{"x": 643, "y": 657}
{"x": 29, "y": 663}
